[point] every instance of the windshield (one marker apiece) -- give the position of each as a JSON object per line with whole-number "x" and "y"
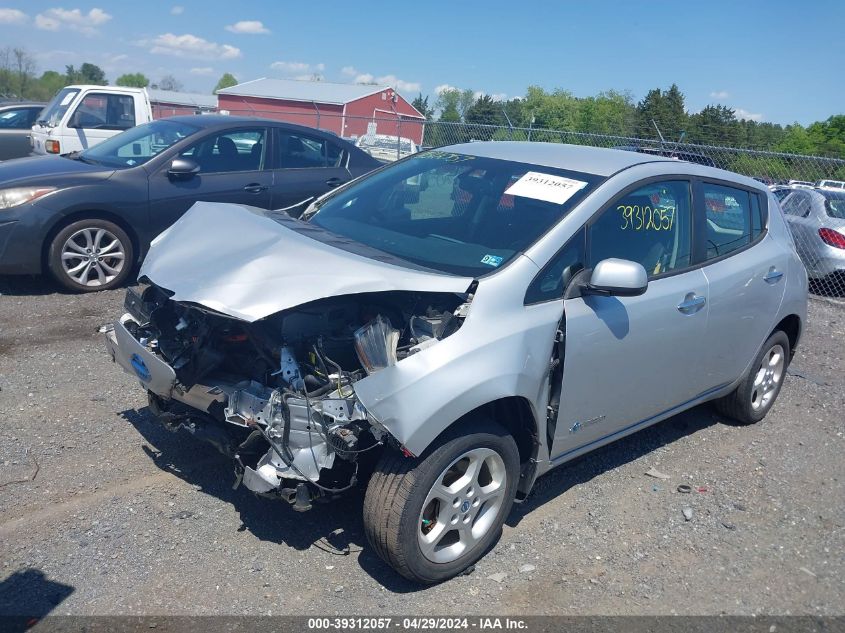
{"x": 455, "y": 213}
{"x": 835, "y": 204}
{"x": 52, "y": 114}
{"x": 138, "y": 145}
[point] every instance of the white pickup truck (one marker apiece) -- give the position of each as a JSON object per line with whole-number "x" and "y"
{"x": 79, "y": 117}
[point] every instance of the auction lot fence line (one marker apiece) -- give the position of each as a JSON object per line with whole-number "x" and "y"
{"x": 770, "y": 166}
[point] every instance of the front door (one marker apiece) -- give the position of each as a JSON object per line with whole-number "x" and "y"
{"x": 231, "y": 170}
{"x": 628, "y": 359}
{"x": 98, "y": 116}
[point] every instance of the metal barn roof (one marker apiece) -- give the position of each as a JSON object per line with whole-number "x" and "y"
{"x": 296, "y": 90}
{"x": 182, "y": 98}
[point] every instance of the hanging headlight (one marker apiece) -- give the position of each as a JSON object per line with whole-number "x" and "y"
{"x": 376, "y": 344}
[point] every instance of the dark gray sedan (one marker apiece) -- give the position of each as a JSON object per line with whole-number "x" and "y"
{"x": 88, "y": 217}
{"x": 16, "y": 121}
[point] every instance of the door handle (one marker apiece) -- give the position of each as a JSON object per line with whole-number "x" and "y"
{"x": 692, "y": 303}
{"x": 334, "y": 182}
{"x": 254, "y": 187}
{"x": 773, "y": 275}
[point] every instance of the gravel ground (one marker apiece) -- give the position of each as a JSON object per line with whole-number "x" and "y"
{"x": 123, "y": 517}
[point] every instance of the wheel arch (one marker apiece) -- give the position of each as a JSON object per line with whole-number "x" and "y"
{"x": 791, "y": 326}
{"x": 515, "y": 415}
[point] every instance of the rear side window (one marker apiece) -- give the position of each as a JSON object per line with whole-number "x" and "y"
{"x": 651, "y": 226}
{"x": 302, "y": 151}
{"x": 19, "y": 119}
{"x": 728, "y": 219}
{"x": 102, "y": 111}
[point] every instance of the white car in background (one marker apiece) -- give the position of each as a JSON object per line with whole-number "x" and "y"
{"x": 830, "y": 185}
{"x": 386, "y": 147}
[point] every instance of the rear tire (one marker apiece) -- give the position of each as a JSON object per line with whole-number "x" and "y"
{"x": 433, "y": 517}
{"x": 755, "y": 395}
{"x": 90, "y": 255}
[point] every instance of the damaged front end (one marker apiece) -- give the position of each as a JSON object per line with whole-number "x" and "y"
{"x": 277, "y": 394}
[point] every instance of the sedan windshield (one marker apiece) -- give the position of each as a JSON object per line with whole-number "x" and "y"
{"x": 835, "y": 204}
{"x": 139, "y": 144}
{"x": 455, "y": 213}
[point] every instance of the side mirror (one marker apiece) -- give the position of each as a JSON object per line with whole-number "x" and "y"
{"x": 183, "y": 168}
{"x": 616, "y": 278}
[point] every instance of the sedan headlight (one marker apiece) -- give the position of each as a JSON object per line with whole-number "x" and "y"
{"x": 21, "y": 195}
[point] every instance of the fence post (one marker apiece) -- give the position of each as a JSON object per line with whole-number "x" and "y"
{"x": 399, "y": 138}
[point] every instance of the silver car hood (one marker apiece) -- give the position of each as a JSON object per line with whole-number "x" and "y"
{"x": 235, "y": 260}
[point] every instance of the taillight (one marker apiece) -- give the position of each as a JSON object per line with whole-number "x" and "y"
{"x": 52, "y": 147}
{"x": 832, "y": 238}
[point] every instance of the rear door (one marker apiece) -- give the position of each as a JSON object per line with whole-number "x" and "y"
{"x": 628, "y": 359}
{"x": 746, "y": 272}
{"x": 305, "y": 167}
{"x": 232, "y": 169}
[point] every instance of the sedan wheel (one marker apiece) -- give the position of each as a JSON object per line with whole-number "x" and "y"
{"x": 91, "y": 255}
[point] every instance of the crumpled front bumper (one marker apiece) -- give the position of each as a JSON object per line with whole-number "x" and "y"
{"x": 135, "y": 359}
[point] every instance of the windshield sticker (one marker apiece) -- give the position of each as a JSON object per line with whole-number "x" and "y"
{"x": 492, "y": 260}
{"x": 449, "y": 157}
{"x": 545, "y": 187}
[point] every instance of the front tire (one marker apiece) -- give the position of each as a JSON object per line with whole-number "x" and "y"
{"x": 90, "y": 255}
{"x": 432, "y": 517}
{"x": 755, "y": 395}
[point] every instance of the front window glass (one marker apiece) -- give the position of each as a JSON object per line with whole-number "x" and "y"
{"x": 728, "y": 212}
{"x": 55, "y": 110}
{"x": 835, "y": 205}
{"x": 455, "y": 213}
{"x": 103, "y": 111}
{"x": 138, "y": 145}
{"x": 650, "y": 226}
{"x": 239, "y": 150}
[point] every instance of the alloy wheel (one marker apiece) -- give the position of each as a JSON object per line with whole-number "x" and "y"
{"x": 462, "y": 505}
{"x": 768, "y": 378}
{"x": 93, "y": 257}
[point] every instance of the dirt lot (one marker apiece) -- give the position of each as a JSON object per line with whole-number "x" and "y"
{"x": 123, "y": 517}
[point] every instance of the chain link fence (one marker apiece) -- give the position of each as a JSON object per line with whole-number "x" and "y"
{"x": 811, "y": 189}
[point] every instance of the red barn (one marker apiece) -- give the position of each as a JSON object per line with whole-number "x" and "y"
{"x": 166, "y": 103}
{"x": 348, "y": 110}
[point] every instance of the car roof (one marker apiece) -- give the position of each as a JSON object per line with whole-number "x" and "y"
{"x": 207, "y": 121}
{"x": 592, "y": 160}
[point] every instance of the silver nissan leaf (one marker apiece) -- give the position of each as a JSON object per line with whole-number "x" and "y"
{"x": 452, "y": 326}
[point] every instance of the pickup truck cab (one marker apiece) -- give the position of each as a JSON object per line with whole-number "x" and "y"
{"x": 79, "y": 117}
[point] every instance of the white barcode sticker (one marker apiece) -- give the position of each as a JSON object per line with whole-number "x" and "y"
{"x": 546, "y": 187}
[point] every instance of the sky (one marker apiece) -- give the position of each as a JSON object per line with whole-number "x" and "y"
{"x": 768, "y": 60}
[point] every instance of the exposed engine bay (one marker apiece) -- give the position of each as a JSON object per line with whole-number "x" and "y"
{"x": 278, "y": 394}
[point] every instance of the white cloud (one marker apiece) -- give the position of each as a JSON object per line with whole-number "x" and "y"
{"x": 311, "y": 77}
{"x": 745, "y": 115}
{"x": 190, "y": 46}
{"x": 72, "y": 19}
{"x": 349, "y": 71}
{"x": 499, "y": 96}
{"x": 177, "y": 10}
{"x": 13, "y": 16}
{"x": 444, "y": 88}
{"x": 720, "y": 94}
{"x": 248, "y": 27}
{"x": 299, "y": 69}
{"x": 388, "y": 80}
{"x": 202, "y": 70}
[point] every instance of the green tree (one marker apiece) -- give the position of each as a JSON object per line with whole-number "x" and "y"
{"x": 485, "y": 111}
{"x": 132, "y": 80}
{"x": 227, "y": 80}
{"x": 169, "y": 82}
{"x": 421, "y": 105}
